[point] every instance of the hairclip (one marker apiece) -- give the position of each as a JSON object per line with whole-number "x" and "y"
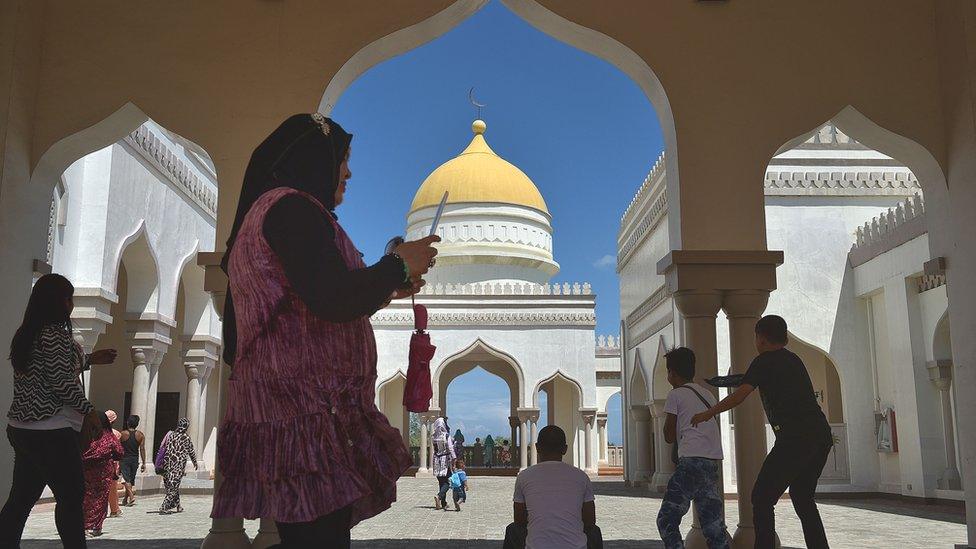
{"x": 321, "y": 122}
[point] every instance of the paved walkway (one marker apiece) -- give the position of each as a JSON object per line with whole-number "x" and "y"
{"x": 625, "y": 515}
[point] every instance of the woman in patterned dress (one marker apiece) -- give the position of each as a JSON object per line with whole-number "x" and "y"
{"x": 99, "y": 460}
{"x": 444, "y": 456}
{"x": 302, "y": 441}
{"x": 179, "y": 448}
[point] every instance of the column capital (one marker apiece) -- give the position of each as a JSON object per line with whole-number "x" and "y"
{"x": 657, "y": 409}
{"x": 698, "y": 303}
{"x": 529, "y": 414}
{"x": 589, "y": 415}
{"x": 601, "y": 419}
{"x": 640, "y": 413}
{"x": 150, "y": 333}
{"x": 214, "y": 279}
{"x": 720, "y": 269}
{"x": 430, "y": 415}
{"x": 745, "y": 303}
{"x": 200, "y": 350}
{"x": 91, "y": 315}
{"x": 940, "y": 373}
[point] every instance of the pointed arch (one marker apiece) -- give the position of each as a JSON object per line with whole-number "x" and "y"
{"x": 395, "y": 376}
{"x": 916, "y": 157}
{"x": 659, "y": 377}
{"x": 479, "y": 348}
{"x": 583, "y": 38}
{"x": 56, "y": 159}
{"x": 639, "y": 393}
{"x": 557, "y": 375}
{"x": 142, "y": 269}
{"x": 941, "y": 343}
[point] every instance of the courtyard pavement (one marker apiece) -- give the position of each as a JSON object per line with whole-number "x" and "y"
{"x": 625, "y": 515}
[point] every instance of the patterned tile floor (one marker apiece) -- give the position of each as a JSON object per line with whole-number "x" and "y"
{"x": 625, "y": 515}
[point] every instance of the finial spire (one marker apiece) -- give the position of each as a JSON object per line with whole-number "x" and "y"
{"x": 474, "y": 102}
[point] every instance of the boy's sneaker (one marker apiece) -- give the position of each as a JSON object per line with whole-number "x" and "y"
{"x": 437, "y": 503}
{"x": 457, "y": 506}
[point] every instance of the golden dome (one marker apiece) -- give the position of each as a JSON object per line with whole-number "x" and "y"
{"x": 479, "y": 175}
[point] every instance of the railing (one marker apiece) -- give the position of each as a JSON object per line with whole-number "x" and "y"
{"x": 474, "y": 456}
{"x": 615, "y": 456}
{"x": 607, "y": 343}
{"x": 508, "y": 288}
{"x": 891, "y": 229}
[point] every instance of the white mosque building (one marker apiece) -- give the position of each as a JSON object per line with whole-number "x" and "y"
{"x": 865, "y": 302}
{"x": 493, "y": 303}
{"x": 126, "y": 225}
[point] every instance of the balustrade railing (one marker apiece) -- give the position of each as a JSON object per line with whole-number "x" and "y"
{"x": 615, "y": 456}
{"x": 474, "y": 456}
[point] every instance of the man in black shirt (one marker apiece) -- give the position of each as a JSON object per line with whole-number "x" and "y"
{"x": 803, "y": 437}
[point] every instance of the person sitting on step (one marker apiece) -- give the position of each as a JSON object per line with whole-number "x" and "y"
{"x": 554, "y": 505}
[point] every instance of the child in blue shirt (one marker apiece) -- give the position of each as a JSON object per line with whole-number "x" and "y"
{"x": 459, "y": 484}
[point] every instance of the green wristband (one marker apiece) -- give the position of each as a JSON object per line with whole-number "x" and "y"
{"x": 406, "y": 270}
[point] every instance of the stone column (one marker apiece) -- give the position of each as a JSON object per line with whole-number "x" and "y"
{"x": 89, "y": 319}
{"x": 663, "y": 466}
{"x": 523, "y": 445}
{"x": 528, "y": 419}
{"x": 200, "y": 355}
{"x": 642, "y": 432}
{"x": 267, "y": 535}
{"x": 699, "y": 309}
{"x": 743, "y": 308}
{"x": 940, "y": 372}
{"x": 194, "y": 376}
{"x": 601, "y": 431}
{"x": 534, "y": 438}
{"x": 514, "y": 423}
{"x": 149, "y": 340}
{"x": 589, "y": 417}
{"x": 225, "y": 533}
{"x": 423, "y": 470}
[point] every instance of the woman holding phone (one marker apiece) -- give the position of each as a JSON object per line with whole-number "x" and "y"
{"x": 302, "y": 441}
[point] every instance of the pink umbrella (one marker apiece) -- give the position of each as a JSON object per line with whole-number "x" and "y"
{"x": 418, "y": 391}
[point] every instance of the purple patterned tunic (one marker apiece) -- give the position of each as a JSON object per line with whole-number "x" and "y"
{"x": 302, "y": 436}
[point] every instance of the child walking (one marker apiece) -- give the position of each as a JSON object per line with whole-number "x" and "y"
{"x": 459, "y": 484}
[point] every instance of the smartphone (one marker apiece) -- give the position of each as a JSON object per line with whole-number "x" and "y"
{"x": 437, "y": 216}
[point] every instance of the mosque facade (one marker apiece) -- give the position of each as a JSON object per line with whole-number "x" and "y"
{"x": 494, "y": 302}
{"x": 866, "y": 306}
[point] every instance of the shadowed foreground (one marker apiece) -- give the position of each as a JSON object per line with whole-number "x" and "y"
{"x": 625, "y": 515}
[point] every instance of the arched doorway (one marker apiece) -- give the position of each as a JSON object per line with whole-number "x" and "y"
{"x": 639, "y": 416}
{"x": 507, "y": 455}
{"x": 389, "y": 399}
{"x": 563, "y": 400}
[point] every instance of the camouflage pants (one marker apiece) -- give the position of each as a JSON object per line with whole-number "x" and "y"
{"x": 694, "y": 479}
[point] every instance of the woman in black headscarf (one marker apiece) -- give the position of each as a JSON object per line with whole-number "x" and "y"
{"x": 302, "y": 441}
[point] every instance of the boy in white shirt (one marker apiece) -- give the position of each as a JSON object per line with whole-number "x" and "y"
{"x": 696, "y": 477}
{"x": 553, "y": 501}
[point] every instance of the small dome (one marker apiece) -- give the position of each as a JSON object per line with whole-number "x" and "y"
{"x": 479, "y": 175}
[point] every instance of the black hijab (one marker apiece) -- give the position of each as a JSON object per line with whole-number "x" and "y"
{"x": 303, "y": 153}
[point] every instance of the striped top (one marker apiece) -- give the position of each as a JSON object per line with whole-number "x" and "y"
{"x": 51, "y": 381}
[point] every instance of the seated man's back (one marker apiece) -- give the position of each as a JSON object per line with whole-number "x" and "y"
{"x": 553, "y": 493}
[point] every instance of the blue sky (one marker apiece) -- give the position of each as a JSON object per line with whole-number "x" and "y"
{"x": 580, "y": 128}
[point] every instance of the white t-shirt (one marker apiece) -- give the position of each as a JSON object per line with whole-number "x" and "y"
{"x": 702, "y": 441}
{"x": 553, "y": 493}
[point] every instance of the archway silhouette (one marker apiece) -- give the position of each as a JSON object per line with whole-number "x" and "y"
{"x": 548, "y": 22}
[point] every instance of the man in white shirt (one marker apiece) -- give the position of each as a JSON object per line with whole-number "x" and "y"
{"x": 696, "y": 477}
{"x": 554, "y": 501}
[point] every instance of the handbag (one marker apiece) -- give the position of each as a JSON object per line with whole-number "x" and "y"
{"x": 160, "y": 460}
{"x": 674, "y": 447}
